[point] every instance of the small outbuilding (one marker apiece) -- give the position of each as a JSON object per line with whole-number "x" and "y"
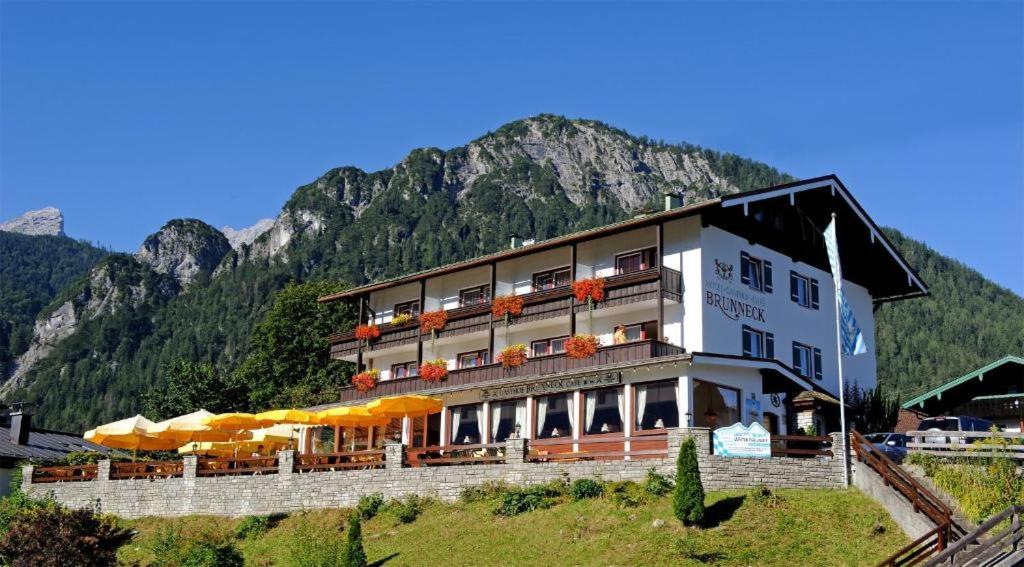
{"x": 994, "y": 392}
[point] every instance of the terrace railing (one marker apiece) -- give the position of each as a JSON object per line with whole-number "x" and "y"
{"x": 372, "y": 459}
{"x": 236, "y": 466}
{"x": 482, "y": 453}
{"x": 642, "y": 445}
{"x": 1002, "y": 548}
{"x": 74, "y": 473}
{"x": 801, "y": 446}
{"x": 150, "y": 469}
{"x": 967, "y": 444}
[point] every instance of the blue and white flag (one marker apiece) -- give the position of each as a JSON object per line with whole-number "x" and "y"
{"x": 851, "y": 337}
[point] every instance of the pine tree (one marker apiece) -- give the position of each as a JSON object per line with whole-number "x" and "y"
{"x": 355, "y": 555}
{"x": 688, "y": 495}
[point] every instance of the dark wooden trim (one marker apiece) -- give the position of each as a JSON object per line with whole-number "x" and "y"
{"x": 490, "y": 322}
{"x": 572, "y": 278}
{"x": 359, "y": 344}
{"x": 419, "y": 338}
{"x": 661, "y": 281}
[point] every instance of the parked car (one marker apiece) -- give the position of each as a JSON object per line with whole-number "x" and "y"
{"x": 894, "y": 445}
{"x": 954, "y": 423}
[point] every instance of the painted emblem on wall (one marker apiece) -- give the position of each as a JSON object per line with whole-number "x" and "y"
{"x": 723, "y": 270}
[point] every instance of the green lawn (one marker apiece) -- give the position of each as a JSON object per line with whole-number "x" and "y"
{"x": 806, "y": 527}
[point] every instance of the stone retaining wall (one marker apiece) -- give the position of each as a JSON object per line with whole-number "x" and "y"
{"x": 289, "y": 491}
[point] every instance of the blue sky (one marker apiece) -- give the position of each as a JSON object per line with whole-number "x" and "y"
{"x": 126, "y": 115}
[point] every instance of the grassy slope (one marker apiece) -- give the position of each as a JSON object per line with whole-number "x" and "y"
{"x": 811, "y": 527}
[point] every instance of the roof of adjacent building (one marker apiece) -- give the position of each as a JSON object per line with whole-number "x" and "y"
{"x": 884, "y": 266}
{"x": 1001, "y": 372}
{"x": 45, "y": 444}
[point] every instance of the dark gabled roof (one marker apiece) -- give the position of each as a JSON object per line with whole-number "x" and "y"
{"x": 1003, "y": 366}
{"x": 45, "y": 444}
{"x": 879, "y": 266}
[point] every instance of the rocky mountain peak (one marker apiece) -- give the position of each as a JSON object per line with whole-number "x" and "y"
{"x": 45, "y": 221}
{"x": 183, "y": 249}
{"x": 247, "y": 235}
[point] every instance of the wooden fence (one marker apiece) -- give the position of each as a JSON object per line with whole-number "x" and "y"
{"x": 150, "y": 469}
{"x": 373, "y": 459}
{"x": 481, "y": 453}
{"x": 74, "y": 473}
{"x": 967, "y": 444}
{"x": 801, "y": 446}
{"x": 239, "y": 466}
{"x": 1002, "y": 548}
{"x": 646, "y": 445}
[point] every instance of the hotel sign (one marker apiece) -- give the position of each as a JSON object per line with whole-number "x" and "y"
{"x": 734, "y": 303}
{"x": 738, "y": 440}
{"x": 551, "y": 386}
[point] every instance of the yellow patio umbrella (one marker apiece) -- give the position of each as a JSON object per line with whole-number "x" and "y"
{"x": 281, "y": 433}
{"x": 350, "y": 416}
{"x": 190, "y": 428}
{"x": 208, "y": 448}
{"x": 129, "y": 433}
{"x": 292, "y": 416}
{"x": 400, "y": 406}
{"x": 232, "y": 421}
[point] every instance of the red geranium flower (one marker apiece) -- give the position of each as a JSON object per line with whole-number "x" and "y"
{"x": 366, "y": 380}
{"x": 581, "y": 346}
{"x": 434, "y": 370}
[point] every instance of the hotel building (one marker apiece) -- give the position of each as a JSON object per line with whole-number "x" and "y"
{"x": 726, "y": 309}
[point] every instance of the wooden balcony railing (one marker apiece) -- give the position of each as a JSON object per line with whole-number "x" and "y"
{"x": 801, "y": 446}
{"x": 239, "y": 466}
{"x": 372, "y": 459}
{"x": 76, "y": 473}
{"x": 651, "y": 444}
{"x": 456, "y": 455}
{"x": 536, "y": 366}
{"x": 152, "y": 469}
{"x": 620, "y": 289}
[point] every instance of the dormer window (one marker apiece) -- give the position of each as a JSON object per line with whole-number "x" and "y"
{"x": 474, "y": 295}
{"x": 756, "y": 273}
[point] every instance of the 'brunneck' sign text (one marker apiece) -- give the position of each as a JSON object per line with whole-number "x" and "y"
{"x": 734, "y": 303}
{"x": 550, "y": 386}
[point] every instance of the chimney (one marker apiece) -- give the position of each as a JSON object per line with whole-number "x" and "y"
{"x": 21, "y": 424}
{"x": 516, "y": 241}
{"x": 673, "y": 201}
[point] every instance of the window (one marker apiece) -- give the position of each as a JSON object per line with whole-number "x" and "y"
{"x": 642, "y": 331}
{"x": 758, "y": 344}
{"x": 604, "y": 411}
{"x": 411, "y": 308}
{"x": 756, "y": 273}
{"x": 473, "y": 359}
{"x": 555, "y": 416}
{"x": 807, "y": 360}
{"x": 551, "y": 278}
{"x": 508, "y": 419}
{"x": 467, "y": 424}
{"x": 404, "y": 370}
{"x": 548, "y": 346}
{"x": 803, "y": 290}
{"x": 715, "y": 406}
{"x": 656, "y": 406}
{"x": 475, "y": 295}
{"x": 635, "y": 261}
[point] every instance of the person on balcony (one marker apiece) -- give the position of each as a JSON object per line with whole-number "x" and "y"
{"x": 619, "y": 337}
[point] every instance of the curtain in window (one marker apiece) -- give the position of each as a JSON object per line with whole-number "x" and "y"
{"x": 641, "y": 403}
{"x": 589, "y": 407}
{"x": 572, "y": 413}
{"x": 520, "y": 418}
{"x": 456, "y": 419}
{"x": 542, "y": 414}
{"x": 480, "y": 421}
{"x": 620, "y": 394}
{"x": 495, "y": 421}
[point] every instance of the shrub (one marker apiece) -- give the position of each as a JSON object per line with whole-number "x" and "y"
{"x": 316, "y": 545}
{"x": 626, "y": 493}
{"x": 929, "y": 463}
{"x": 205, "y": 550}
{"x": 688, "y": 495}
{"x": 763, "y": 496}
{"x": 14, "y": 506}
{"x": 406, "y": 511}
{"x": 516, "y": 501}
{"x": 253, "y": 526}
{"x": 49, "y": 534}
{"x": 584, "y": 488}
{"x": 369, "y": 505}
{"x": 656, "y": 484}
{"x": 355, "y": 555}
{"x": 489, "y": 490}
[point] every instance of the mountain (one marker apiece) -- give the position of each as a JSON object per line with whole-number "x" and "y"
{"x": 539, "y": 177}
{"x": 247, "y": 235}
{"x": 46, "y": 221}
{"x": 33, "y": 270}
{"x": 184, "y": 249}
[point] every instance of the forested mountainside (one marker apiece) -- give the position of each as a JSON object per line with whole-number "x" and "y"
{"x": 966, "y": 323}
{"x": 539, "y": 177}
{"x": 33, "y": 269}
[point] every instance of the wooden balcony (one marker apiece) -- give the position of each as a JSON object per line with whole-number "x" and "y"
{"x": 621, "y": 289}
{"x": 535, "y": 367}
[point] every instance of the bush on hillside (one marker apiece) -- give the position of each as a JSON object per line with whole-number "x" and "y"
{"x": 626, "y": 493}
{"x": 255, "y": 526}
{"x": 515, "y": 501}
{"x": 688, "y": 496}
{"x": 487, "y": 491}
{"x": 51, "y": 535}
{"x": 369, "y": 505}
{"x": 656, "y": 484}
{"x": 316, "y": 545}
{"x": 355, "y": 555}
{"x": 406, "y": 510}
{"x": 584, "y": 488}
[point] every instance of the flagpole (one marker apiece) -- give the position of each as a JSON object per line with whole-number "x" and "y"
{"x": 842, "y": 389}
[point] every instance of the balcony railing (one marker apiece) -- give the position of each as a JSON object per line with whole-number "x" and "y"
{"x": 636, "y": 351}
{"x": 75, "y": 473}
{"x": 620, "y": 289}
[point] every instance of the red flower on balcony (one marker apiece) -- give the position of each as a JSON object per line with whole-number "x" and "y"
{"x": 512, "y": 356}
{"x": 366, "y": 380}
{"x": 507, "y": 306}
{"x": 590, "y": 290}
{"x": 434, "y": 370}
{"x": 581, "y": 346}
{"x": 367, "y": 332}
{"x": 433, "y": 321}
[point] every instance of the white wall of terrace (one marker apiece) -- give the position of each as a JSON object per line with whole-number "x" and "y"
{"x": 383, "y": 302}
{"x": 443, "y": 292}
{"x": 596, "y": 258}
{"x": 515, "y": 276}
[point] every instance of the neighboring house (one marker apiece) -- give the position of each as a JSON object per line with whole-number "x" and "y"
{"x": 994, "y": 392}
{"x": 19, "y": 441}
{"x": 728, "y": 307}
